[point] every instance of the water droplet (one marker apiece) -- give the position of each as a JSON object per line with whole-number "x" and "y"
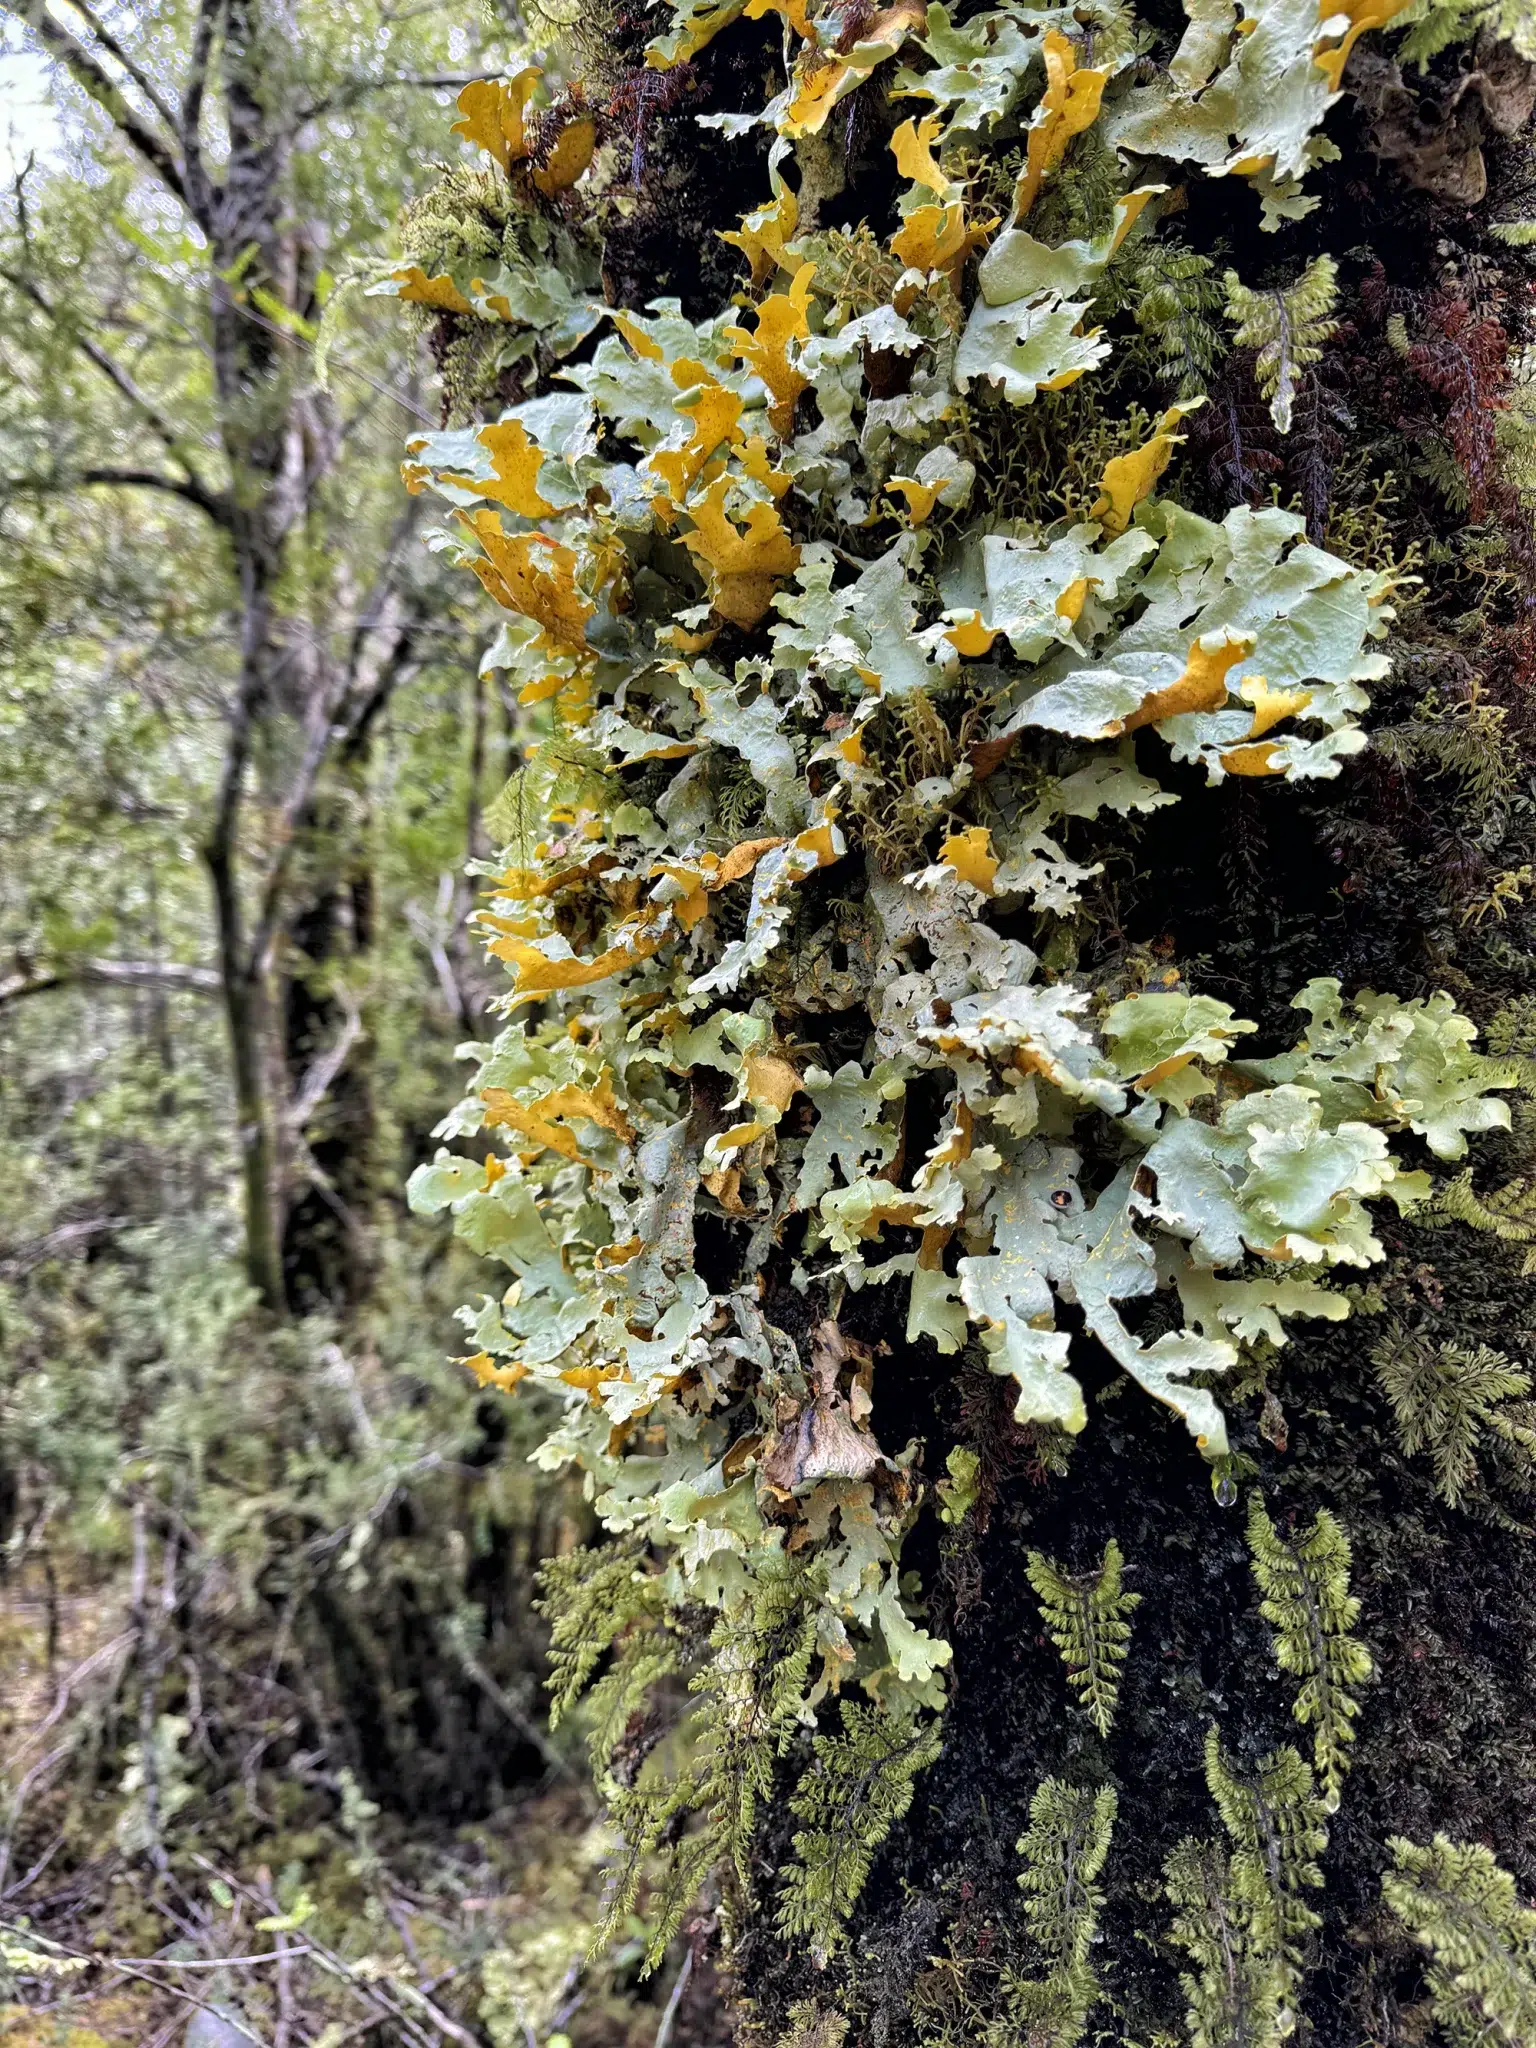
{"x": 1225, "y": 1490}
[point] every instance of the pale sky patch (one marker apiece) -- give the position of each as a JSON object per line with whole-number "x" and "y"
{"x": 29, "y": 125}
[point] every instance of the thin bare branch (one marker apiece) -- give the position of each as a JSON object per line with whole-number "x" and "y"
{"x": 13, "y": 1265}
{"x": 189, "y": 121}
{"x": 669, "y": 2017}
{"x": 317, "y": 744}
{"x": 321, "y": 1076}
{"x": 371, "y": 615}
{"x": 136, "y": 72}
{"x": 352, "y": 90}
{"x": 170, "y": 974}
{"x": 215, "y": 503}
{"x": 528, "y": 1729}
{"x": 85, "y": 67}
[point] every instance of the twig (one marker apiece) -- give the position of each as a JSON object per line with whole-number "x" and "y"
{"x": 138, "y": 1971}
{"x": 372, "y": 1992}
{"x": 271, "y": 1955}
{"x": 20, "y": 1262}
{"x": 500, "y": 1699}
{"x": 669, "y": 2017}
{"x": 215, "y": 503}
{"x": 114, "y": 48}
{"x": 38, "y": 1770}
{"x": 201, "y": 981}
{"x": 318, "y": 1081}
{"x": 93, "y": 78}
{"x": 362, "y": 2027}
{"x": 25, "y": 1883}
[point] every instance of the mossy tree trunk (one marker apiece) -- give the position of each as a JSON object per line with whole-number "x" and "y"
{"x": 1331, "y": 1637}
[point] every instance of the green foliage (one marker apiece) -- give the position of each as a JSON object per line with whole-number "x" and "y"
{"x": 1234, "y": 1988}
{"x": 1178, "y": 302}
{"x": 1064, "y": 1853}
{"x": 958, "y": 1493}
{"x": 1087, "y": 1617}
{"x": 315, "y": 1514}
{"x": 1463, "y": 1911}
{"x": 1507, "y": 1213}
{"x": 1241, "y": 1915}
{"x": 1308, "y": 1605}
{"x": 1288, "y": 326}
{"x": 1436, "y": 25}
{"x": 1450, "y": 1401}
{"x": 1464, "y": 740}
{"x": 749, "y": 1693}
{"x": 596, "y": 1599}
{"x": 812, "y": 2027}
{"x": 858, "y": 1785}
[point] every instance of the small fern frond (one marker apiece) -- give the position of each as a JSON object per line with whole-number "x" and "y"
{"x": 859, "y": 1784}
{"x": 1288, "y": 329}
{"x": 1275, "y": 1824}
{"x": 1086, "y": 1617}
{"x": 749, "y": 1697}
{"x": 1462, "y": 739}
{"x": 1307, "y": 1603}
{"x": 1447, "y": 1398}
{"x": 1435, "y": 25}
{"x": 1240, "y": 1914}
{"x": 592, "y": 1597}
{"x": 1234, "y": 1989}
{"x": 1177, "y": 302}
{"x": 1462, "y": 1910}
{"x": 1064, "y": 1852}
{"x": 1512, "y": 1031}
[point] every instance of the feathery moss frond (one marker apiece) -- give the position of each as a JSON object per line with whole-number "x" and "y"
{"x": 591, "y": 1598}
{"x": 1231, "y": 1990}
{"x": 1287, "y": 327}
{"x": 1177, "y": 301}
{"x": 1240, "y": 1914}
{"x": 858, "y": 1786}
{"x": 1308, "y": 1604}
{"x": 1446, "y": 1398}
{"x": 1064, "y": 1851}
{"x": 1086, "y": 1618}
{"x": 750, "y": 1695}
{"x": 1462, "y": 1910}
{"x": 1274, "y": 1820}
{"x": 1436, "y": 25}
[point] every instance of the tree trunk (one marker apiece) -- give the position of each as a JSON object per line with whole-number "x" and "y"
{"x": 924, "y": 1288}
{"x": 327, "y": 1255}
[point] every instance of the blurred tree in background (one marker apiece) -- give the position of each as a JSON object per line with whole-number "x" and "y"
{"x": 265, "y": 1565}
